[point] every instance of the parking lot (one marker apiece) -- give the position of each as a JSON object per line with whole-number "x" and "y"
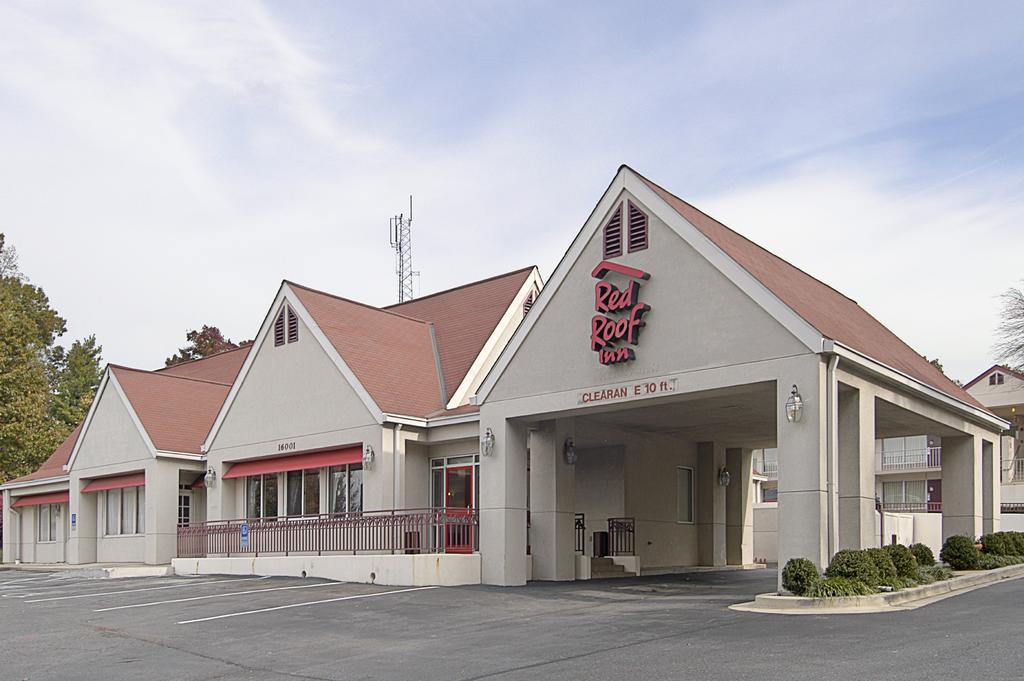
{"x": 59, "y": 626}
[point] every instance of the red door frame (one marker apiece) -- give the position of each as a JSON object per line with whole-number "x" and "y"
{"x": 459, "y": 536}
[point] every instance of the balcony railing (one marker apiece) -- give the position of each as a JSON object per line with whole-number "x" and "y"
{"x": 429, "y": 530}
{"x": 621, "y": 533}
{"x": 910, "y": 459}
{"x": 912, "y": 506}
{"x": 580, "y": 528}
{"x": 768, "y": 469}
{"x": 1014, "y": 471}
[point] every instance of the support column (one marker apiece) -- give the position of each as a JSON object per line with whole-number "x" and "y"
{"x": 9, "y": 518}
{"x": 802, "y": 496}
{"x": 961, "y": 486}
{"x": 990, "y": 497}
{"x": 503, "y": 502}
{"x": 710, "y": 504}
{"x": 82, "y": 540}
{"x": 856, "y": 469}
{"x": 161, "y": 512}
{"x": 552, "y": 502}
{"x": 739, "y": 507}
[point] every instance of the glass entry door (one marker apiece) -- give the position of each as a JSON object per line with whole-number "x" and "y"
{"x": 458, "y": 500}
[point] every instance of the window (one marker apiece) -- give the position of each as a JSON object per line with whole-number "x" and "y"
{"x": 47, "y": 517}
{"x": 303, "y": 492}
{"x": 126, "y": 511}
{"x": 684, "y": 494}
{"x": 995, "y": 379}
{"x": 184, "y": 507}
{"x": 637, "y": 233}
{"x": 346, "y": 489}
{"x": 438, "y": 475}
{"x": 905, "y": 492}
{"x": 261, "y": 496}
{"x": 613, "y": 235}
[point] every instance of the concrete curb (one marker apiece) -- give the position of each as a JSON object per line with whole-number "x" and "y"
{"x": 906, "y": 599}
{"x": 97, "y": 571}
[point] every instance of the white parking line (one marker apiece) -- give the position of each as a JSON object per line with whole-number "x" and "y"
{"x": 302, "y": 605}
{"x": 232, "y": 593}
{"x": 51, "y": 588}
{"x": 26, "y": 579}
{"x": 151, "y": 588}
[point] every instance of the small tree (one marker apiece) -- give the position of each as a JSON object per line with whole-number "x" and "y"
{"x": 1010, "y": 347}
{"x": 203, "y": 343}
{"x": 74, "y": 376}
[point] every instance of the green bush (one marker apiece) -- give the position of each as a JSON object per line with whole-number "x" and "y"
{"x": 988, "y": 561}
{"x": 959, "y": 553}
{"x": 837, "y": 587}
{"x": 903, "y": 560}
{"x": 1013, "y": 542}
{"x": 995, "y": 544}
{"x": 924, "y": 576}
{"x": 923, "y": 554}
{"x": 857, "y": 565}
{"x": 937, "y": 573}
{"x": 883, "y": 564}
{"x": 799, "y": 576}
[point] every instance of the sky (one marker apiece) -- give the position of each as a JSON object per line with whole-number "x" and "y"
{"x": 166, "y": 165}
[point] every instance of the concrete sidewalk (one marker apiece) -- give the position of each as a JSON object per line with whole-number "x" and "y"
{"x": 95, "y": 570}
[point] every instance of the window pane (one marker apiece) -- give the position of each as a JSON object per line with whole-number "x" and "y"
{"x": 253, "y": 489}
{"x": 892, "y": 492}
{"x": 311, "y": 492}
{"x": 128, "y": 510}
{"x": 339, "y": 489}
{"x": 355, "y": 489}
{"x": 140, "y": 523}
{"x": 44, "y": 522}
{"x": 294, "y": 491}
{"x": 437, "y": 489}
{"x": 113, "y": 510}
{"x": 684, "y": 492}
{"x": 184, "y": 509}
{"x": 916, "y": 492}
{"x": 270, "y": 496}
{"x": 53, "y": 522}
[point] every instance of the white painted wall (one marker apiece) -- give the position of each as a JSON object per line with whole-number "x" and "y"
{"x": 766, "y": 533}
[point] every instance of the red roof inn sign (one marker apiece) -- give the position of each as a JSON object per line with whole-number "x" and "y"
{"x": 619, "y": 315}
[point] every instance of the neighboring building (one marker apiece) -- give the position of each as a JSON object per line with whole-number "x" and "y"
{"x": 1001, "y": 389}
{"x": 500, "y": 431}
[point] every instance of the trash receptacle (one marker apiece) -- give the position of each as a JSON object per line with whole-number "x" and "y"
{"x": 600, "y": 544}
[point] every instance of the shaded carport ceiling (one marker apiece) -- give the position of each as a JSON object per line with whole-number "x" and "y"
{"x": 739, "y": 415}
{"x": 895, "y": 421}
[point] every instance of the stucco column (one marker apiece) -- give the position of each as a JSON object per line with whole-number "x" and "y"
{"x": 161, "y": 512}
{"x": 990, "y": 497}
{"x": 710, "y": 498}
{"x": 739, "y": 511}
{"x": 503, "y": 502}
{"x": 82, "y": 538}
{"x": 856, "y": 469}
{"x": 552, "y": 502}
{"x": 802, "y": 496}
{"x": 8, "y": 531}
{"x": 961, "y": 486}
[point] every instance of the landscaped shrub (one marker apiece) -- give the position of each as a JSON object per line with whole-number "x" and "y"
{"x": 923, "y": 553}
{"x": 857, "y": 565}
{"x": 799, "y": 576}
{"x": 903, "y": 560}
{"x": 884, "y": 565}
{"x": 1014, "y": 542}
{"x": 995, "y": 544}
{"x": 988, "y": 561}
{"x": 959, "y": 553}
{"x": 836, "y": 587}
{"x": 937, "y": 573}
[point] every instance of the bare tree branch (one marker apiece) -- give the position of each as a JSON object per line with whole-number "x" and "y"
{"x": 1010, "y": 347}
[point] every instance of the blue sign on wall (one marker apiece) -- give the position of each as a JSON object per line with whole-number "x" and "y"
{"x": 74, "y": 520}
{"x": 245, "y": 535}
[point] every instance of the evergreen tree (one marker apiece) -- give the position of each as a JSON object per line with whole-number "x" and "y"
{"x": 74, "y": 376}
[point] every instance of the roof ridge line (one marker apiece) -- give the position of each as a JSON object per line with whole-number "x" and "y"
{"x": 1008, "y": 369}
{"x": 461, "y": 286}
{"x": 157, "y": 373}
{"x": 356, "y": 302}
{"x": 200, "y": 359}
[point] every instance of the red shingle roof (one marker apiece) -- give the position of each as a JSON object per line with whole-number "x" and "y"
{"x": 834, "y": 315}
{"x": 220, "y": 368}
{"x": 176, "y": 412}
{"x": 464, "y": 319}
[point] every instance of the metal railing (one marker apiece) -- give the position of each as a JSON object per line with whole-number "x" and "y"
{"x": 427, "y": 530}
{"x": 769, "y": 469}
{"x": 912, "y": 506}
{"x": 621, "y": 533}
{"x": 581, "y": 533}
{"x": 927, "y": 458}
{"x": 1014, "y": 471}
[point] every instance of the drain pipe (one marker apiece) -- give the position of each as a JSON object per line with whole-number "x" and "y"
{"x": 832, "y": 454}
{"x": 17, "y": 539}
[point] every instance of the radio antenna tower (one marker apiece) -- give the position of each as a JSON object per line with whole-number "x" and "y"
{"x": 401, "y": 241}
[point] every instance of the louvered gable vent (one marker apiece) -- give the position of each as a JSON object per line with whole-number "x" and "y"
{"x": 293, "y": 326}
{"x": 637, "y": 233}
{"x": 613, "y": 235}
{"x": 279, "y": 328}
{"x": 528, "y": 303}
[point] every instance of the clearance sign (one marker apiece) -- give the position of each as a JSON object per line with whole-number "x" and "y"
{"x": 619, "y": 315}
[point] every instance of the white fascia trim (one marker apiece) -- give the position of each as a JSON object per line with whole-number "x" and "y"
{"x": 35, "y": 483}
{"x": 430, "y": 423}
{"x": 515, "y": 308}
{"x": 902, "y": 379}
{"x": 285, "y": 293}
{"x": 88, "y": 419}
{"x": 627, "y": 180}
{"x": 163, "y": 454}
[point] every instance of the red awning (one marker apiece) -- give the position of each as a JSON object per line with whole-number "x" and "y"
{"x": 200, "y": 482}
{"x": 296, "y": 462}
{"x": 116, "y": 482}
{"x": 40, "y": 499}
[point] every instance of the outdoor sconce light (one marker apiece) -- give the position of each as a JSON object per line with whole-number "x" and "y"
{"x": 368, "y": 457}
{"x": 210, "y": 478}
{"x": 569, "y": 451}
{"x": 487, "y": 443}
{"x": 724, "y": 477}
{"x": 794, "y": 406}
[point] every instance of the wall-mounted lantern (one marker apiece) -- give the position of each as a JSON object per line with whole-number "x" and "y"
{"x": 794, "y": 406}
{"x": 724, "y": 477}
{"x": 569, "y": 451}
{"x": 487, "y": 443}
{"x": 210, "y": 478}
{"x": 368, "y": 457}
